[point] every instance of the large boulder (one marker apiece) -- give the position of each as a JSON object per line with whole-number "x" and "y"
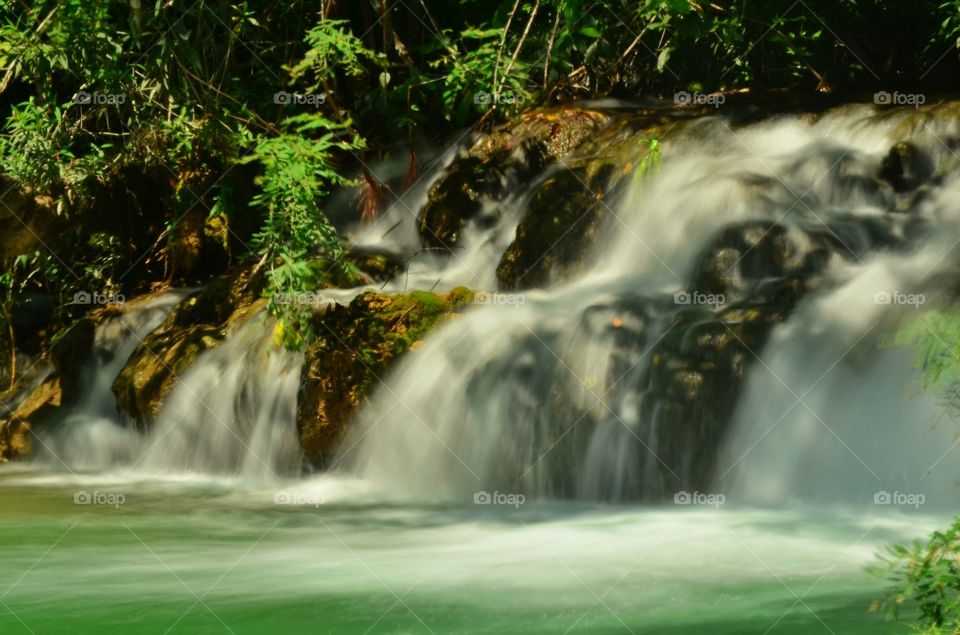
{"x": 356, "y": 347}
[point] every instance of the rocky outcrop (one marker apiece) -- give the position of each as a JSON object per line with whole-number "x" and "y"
{"x": 356, "y": 347}
{"x": 481, "y": 178}
{"x": 557, "y": 235}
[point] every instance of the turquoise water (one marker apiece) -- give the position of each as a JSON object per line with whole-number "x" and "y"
{"x": 222, "y": 557}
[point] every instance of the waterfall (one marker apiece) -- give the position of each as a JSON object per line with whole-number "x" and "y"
{"x": 232, "y": 413}
{"x": 759, "y": 252}
{"x": 91, "y": 435}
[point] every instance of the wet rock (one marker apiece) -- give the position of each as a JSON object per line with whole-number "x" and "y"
{"x": 696, "y": 377}
{"x": 70, "y": 350}
{"x": 745, "y": 256}
{"x": 376, "y": 265}
{"x": 457, "y": 198}
{"x": 356, "y": 347}
{"x": 491, "y": 169}
{"x": 197, "y": 324}
{"x": 14, "y": 439}
{"x": 906, "y": 167}
{"x": 559, "y": 230}
{"x": 40, "y": 394}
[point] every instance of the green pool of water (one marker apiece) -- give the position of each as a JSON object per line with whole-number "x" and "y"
{"x": 221, "y": 557}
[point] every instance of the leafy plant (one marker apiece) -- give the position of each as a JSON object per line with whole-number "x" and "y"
{"x": 926, "y": 577}
{"x": 298, "y": 171}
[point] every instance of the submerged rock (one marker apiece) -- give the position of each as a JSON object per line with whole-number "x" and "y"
{"x": 356, "y": 347}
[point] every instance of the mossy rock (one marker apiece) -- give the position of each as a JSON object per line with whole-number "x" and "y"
{"x": 198, "y": 323}
{"x": 356, "y": 347}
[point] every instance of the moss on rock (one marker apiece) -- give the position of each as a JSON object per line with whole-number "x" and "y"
{"x": 357, "y": 345}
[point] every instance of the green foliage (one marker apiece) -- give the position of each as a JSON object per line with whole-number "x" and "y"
{"x": 935, "y": 335}
{"x": 298, "y": 172}
{"x": 332, "y": 47}
{"x": 35, "y": 148}
{"x": 650, "y": 162}
{"x": 926, "y": 576}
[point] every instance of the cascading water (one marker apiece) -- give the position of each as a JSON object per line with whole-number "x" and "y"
{"x": 621, "y": 384}
{"x": 91, "y": 435}
{"x": 232, "y": 413}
